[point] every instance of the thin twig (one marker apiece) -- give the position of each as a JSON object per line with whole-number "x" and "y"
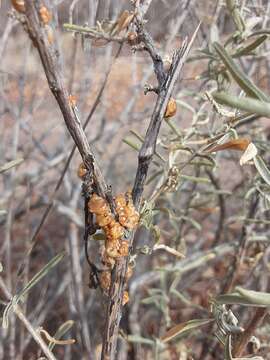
{"x": 239, "y": 256}
{"x": 34, "y": 239}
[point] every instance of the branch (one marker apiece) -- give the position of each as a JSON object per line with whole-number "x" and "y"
{"x": 94, "y": 34}
{"x": 148, "y": 148}
{"x": 49, "y": 56}
{"x": 166, "y": 84}
{"x": 35, "y": 238}
{"x": 251, "y": 328}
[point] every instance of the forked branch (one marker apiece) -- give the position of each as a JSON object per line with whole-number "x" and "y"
{"x": 166, "y": 84}
{"x": 50, "y": 59}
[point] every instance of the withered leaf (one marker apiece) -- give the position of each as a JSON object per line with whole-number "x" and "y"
{"x": 240, "y": 144}
{"x": 123, "y": 22}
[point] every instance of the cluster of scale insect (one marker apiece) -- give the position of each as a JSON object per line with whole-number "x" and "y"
{"x": 114, "y": 229}
{"x": 115, "y": 246}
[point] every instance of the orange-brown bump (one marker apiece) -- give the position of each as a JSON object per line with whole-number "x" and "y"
{"x": 112, "y": 248}
{"x": 114, "y": 230}
{"x": 171, "y": 108}
{"x": 82, "y": 171}
{"x": 120, "y": 201}
{"x": 125, "y": 299}
{"x": 107, "y": 260}
{"x": 129, "y": 273}
{"x": 133, "y": 221}
{"x": 128, "y": 216}
{"x": 18, "y": 5}
{"x": 123, "y": 248}
{"x": 97, "y": 205}
{"x": 104, "y": 219}
{"x": 45, "y": 15}
{"x": 105, "y": 280}
{"x": 132, "y": 38}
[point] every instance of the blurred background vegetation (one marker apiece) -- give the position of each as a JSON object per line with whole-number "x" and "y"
{"x": 199, "y": 201}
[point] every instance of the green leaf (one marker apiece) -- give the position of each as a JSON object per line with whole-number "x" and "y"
{"x": 262, "y": 169}
{"x": 10, "y": 165}
{"x": 245, "y": 297}
{"x": 244, "y": 103}
{"x": 184, "y": 328}
{"x": 239, "y": 76}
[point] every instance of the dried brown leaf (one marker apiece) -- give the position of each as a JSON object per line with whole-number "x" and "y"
{"x": 240, "y": 144}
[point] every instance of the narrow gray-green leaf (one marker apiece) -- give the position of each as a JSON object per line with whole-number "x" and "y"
{"x": 249, "y": 48}
{"x": 131, "y": 144}
{"x": 152, "y": 299}
{"x": 10, "y": 165}
{"x": 195, "y": 179}
{"x": 140, "y": 340}
{"x": 239, "y": 76}
{"x": 233, "y": 8}
{"x": 43, "y": 272}
{"x": 245, "y": 297}
{"x": 262, "y": 169}
{"x": 228, "y": 348}
{"x": 62, "y": 330}
{"x": 257, "y": 297}
{"x": 249, "y": 104}
{"x": 137, "y": 135}
{"x": 249, "y": 358}
{"x": 184, "y": 327}
{"x": 154, "y": 176}
{"x": 193, "y": 222}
